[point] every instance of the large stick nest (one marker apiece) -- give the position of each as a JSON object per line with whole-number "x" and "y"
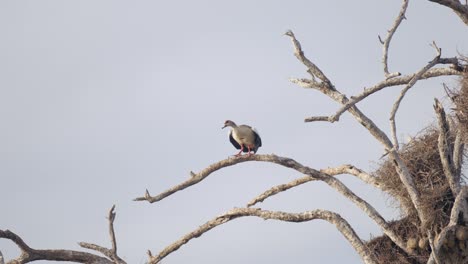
{"x": 387, "y": 252}
{"x": 421, "y": 156}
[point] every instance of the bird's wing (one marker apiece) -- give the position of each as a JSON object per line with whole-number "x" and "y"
{"x": 233, "y": 141}
{"x": 258, "y": 140}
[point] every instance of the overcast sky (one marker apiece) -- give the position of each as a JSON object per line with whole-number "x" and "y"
{"x": 100, "y": 100}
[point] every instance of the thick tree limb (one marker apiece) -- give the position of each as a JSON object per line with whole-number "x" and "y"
{"x": 197, "y": 177}
{"x": 29, "y": 254}
{"x": 445, "y": 149}
{"x": 386, "y": 42}
{"x": 460, "y": 206}
{"x": 403, "y": 92}
{"x": 341, "y": 224}
{"x": 460, "y": 9}
{"x": 458, "y": 150}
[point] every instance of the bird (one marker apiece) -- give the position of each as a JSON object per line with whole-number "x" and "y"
{"x": 243, "y": 137}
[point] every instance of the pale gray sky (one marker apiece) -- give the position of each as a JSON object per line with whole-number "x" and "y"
{"x": 100, "y": 100}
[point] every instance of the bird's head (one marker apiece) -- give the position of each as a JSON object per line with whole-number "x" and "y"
{"x": 229, "y": 123}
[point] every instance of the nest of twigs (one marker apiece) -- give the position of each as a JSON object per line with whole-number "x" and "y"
{"x": 421, "y": 156}
{"x": 387, "y": 252}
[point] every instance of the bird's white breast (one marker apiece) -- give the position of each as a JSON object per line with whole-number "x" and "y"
{"x": 243, "y": 135}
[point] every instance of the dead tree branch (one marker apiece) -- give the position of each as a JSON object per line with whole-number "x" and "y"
{"x": 403, "y": 80}
{"x": 460, "y": 9}
{"x": 313, "y": 174}
{"x": 112, "y": 252}
{"x": 352, "y": 170}
{"x": 445, "y": 149}
{"x": 386, "y": 42}
{"x": 343, "y": 169}
{"x": 403, "y": 92}
{"x": 458, "y": 150}
{"x": 29, "y": 254}
{"x": 341, "y": 224}
{"x": 279, "y": 188}
{"x": 379, "y": 135}
{"x": 312, "y": 69}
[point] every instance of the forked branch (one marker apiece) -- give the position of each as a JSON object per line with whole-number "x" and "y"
{"x": 312, "y": 69}
{"x": 112, "y": 252}
{"x": 343, "y": 169}
{"x": 388, "y": 38}
{"x": 29, "y": 254}
{"x": 393, "y": 82}
{"x": 312, "y": 173}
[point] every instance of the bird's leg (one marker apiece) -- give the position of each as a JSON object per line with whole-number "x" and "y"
{"x": 242, "y": 149}
{"x": 248, "y": 147}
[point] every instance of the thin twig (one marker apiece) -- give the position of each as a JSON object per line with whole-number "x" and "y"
{"x": 111, "y": 218}
{"x": 279, "y": 188}
{"x": 386, "y": 42}
{"x": 403, "y": 92}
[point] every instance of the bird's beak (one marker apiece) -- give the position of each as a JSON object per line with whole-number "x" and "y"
{"x": 224, "y": 126}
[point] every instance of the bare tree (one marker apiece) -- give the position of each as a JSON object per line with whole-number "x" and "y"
{"x": 400, "y": 171}
{"x": 423, "y": 176}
